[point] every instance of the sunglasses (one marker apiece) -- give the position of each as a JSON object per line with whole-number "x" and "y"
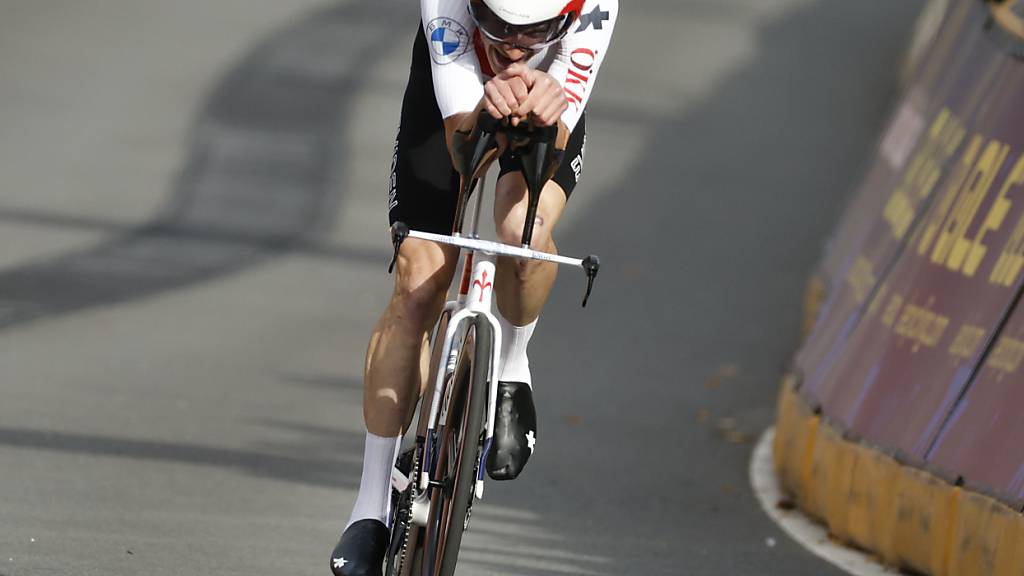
{"x": 529, "y": 37}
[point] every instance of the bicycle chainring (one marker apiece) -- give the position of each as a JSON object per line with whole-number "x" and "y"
{"x": 403, "y": 523}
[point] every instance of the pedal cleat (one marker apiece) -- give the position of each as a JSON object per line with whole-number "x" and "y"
{"x": 515, "y": 431}
{"x": 361, "y": 549}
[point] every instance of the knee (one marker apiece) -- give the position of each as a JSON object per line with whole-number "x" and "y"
{"x": 510, "y": 229}
{"x": 420, "y": 286}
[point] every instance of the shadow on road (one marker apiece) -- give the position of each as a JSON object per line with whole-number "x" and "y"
{"x": 333, "y": 461}
{"x": 257, "y": 181}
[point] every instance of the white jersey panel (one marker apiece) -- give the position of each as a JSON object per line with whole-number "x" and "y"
{"x": 458, "y": 84}
{"x": 581, "y": 53}
{"x": 574, "y": 62}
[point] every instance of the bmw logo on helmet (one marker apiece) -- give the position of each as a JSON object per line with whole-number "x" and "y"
{"x": 448, "y": 40}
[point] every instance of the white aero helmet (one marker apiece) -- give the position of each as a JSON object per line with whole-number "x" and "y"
{"x": 527, "y": 24}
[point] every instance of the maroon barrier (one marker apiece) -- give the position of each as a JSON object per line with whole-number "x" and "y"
{"x": 911, "y": 357}
{"x": 904, "y": 130}
{"x": 919, "y": 348}
{"x": 948, "y": 103}
{"x": 982, "y": 442}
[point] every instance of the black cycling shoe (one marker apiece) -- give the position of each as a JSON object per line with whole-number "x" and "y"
{"x": 515, "y": 431}
{"x": 360, "y": 552}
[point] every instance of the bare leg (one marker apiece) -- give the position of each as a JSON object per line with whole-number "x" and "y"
{"x": 394, "y": 369}
{"x": 396, "y": 358}
{"x": 522, "y": 287}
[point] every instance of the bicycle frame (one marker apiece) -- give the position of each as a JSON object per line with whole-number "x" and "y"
{"x": 474, "y": 300}
{"x": 476, "y": 289}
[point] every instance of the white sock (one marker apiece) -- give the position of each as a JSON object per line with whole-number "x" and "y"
{"x": 374, "y": 500}
{"x": 515, "y": 366}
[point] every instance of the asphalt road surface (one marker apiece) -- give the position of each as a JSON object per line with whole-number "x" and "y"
{"x": 193, "y": 248}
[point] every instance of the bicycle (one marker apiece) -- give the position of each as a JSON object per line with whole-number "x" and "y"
{"x": 435, "y": 483}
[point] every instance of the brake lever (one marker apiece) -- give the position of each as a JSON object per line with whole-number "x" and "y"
{"x": 399, "y": 232}
{"x": 591, "y": 265}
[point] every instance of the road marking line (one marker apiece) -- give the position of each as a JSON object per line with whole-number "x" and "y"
{"x": 801, "y": 528}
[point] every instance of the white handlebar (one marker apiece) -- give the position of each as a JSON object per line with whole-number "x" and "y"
{"x": 497, "y": 248}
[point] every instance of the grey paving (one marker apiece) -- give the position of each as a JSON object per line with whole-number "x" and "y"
{"x": 193, "y": 255}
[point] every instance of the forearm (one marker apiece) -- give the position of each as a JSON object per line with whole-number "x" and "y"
{"x": 460, "y": 121}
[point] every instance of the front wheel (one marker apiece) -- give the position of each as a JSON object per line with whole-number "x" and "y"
{"x": 459, "y": 446}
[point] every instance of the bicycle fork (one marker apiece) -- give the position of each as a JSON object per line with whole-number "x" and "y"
{"x": 475, "y": 300}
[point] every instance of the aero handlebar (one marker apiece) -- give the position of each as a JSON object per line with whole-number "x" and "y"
{"x": 539, "y": 158}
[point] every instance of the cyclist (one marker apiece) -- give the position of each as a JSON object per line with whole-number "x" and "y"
{"x": 533, "y": 60}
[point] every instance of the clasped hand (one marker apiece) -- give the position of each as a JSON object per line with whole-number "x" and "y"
{"x": 519, "y": 92}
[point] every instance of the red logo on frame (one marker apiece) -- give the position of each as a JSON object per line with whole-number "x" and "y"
{"x": 484, "y": 285}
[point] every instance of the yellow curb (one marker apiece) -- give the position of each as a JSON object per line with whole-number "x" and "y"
{"x": 909, "y": 517}
{"x": 790, "y": 437}
{"x": 835, "y": 463}
{"x": 873, "y": 486}
{"x": 984, "y": 537}
{"x": 1003, "y": 13}
{"x": 925, "y": 512}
